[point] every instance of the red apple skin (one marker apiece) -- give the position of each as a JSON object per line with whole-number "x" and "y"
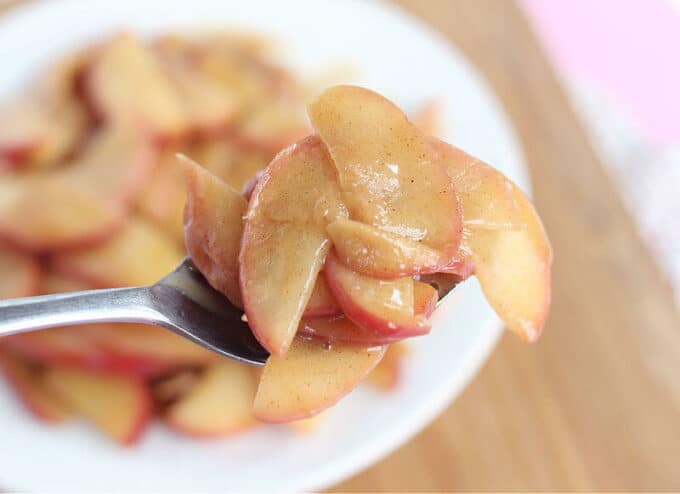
{"x": 368, "y": 314}
{"x": 20, "y": 274}
{"x": 340, "y": 329}
{"x": 31, "y": 392}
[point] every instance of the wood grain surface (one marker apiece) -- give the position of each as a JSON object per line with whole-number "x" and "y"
{"x": 595, "y": 405}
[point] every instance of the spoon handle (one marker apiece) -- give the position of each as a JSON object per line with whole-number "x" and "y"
{"x": 111, "y": 305}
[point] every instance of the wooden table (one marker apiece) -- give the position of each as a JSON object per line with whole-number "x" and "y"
{"x": 595, "y": 405}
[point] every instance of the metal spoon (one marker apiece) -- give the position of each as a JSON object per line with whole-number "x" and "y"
{"x": 182, "y": 302}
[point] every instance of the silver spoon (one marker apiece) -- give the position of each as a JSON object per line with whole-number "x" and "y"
{"x": 182, "y": 302}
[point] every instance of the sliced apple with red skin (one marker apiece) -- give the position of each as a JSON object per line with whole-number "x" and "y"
{"x": 230, "y": 162}
{"x": 138, "y": 255}
{"x": 82, "y": 347}
{"x": 44, "y": 213}
{"x": 219, "y": 403}
{"x": 384, "y": 306}
{"x": 115, "y": 165}
{"x": 24, "y": 128}
{"x": 374, "y": 252}
{"x": 164, "y": 196}
{"x": 125, "y": 84}
{"x": 19, "y": 274}
{"x": 285, "y": 241}
{"x": 486, "y": 195}
{"x": 119, "y": 406}
{"x": 340, "y": 329}
{"x": 386, "y": 168}
{"x": 31, "y": 391}
{"x": 158, "y": 347}
{"x": 514, "y": 270}
{"x": 310, "y": 378}
{"x": 213, "y": 227}
{"x": 322, "y": 303}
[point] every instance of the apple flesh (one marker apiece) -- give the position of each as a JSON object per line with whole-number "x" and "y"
{"x": 386, "y": 169}
{"x": 125, "y": 84}
{"x": 309, "y": 378}
{"x": 388, "y": 372}
{"x": 19, "y": 274}
{"x": 284, "y": 241}
{"x": 340, "y": 329}
{"x": 486, "y": 195}
{"x": 218, "y": 404}
{"x": 384, "y": 306}
{"x": 115, "y": 165}
{"x": 43, "y": 213}
{"x": 322, "y": 303}
{"x": 138, "y": 255}
{"x": 31, "y": 391}
{"x": 213, "y": 227}
{"x": 119, "y": 406}
{"x": 231, "y": 163}
{"x": 514, "y": 270}
{"x": 164, "y": 196}
{"x": 374, "y": 252}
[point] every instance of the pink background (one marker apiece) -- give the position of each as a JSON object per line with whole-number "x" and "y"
{"x": 629, "y": 47}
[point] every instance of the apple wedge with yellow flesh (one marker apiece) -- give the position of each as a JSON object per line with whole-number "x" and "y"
{"x": 514, "y": 270}
{"x": 164, "y": 196}
{"x": 43, "y": 214}
{"x": 386, "y": 168}
{"x": 213, "y": 227}
{"x": 310, "y": 378}
{"x": 31, "y": 391}
{"x": 388, "y": 372}
{"x": 119, "y": 406}
{"x": 374, "y": 252}
{"x": 340, "y": 329}
{"x": 115, "y": 165}
{"x": 125, "y": 84}
{"x": 219, "y": 404}
{"x": 384, "y": 306}
{"x": 138, "y": 255}
{"x": 285, "y": 242}
{"x": 322, "y": 303}
{"x": 19, "y": 274}
{"x": 486, "y": 196}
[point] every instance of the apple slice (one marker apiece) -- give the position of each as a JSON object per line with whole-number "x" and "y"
{"x": 43, "y": 213}
{"x": 208, "y": 105}
{"x": 19, "y": 274}
{"x": 230, "y": 162}
{"x": 385, "y": 306}
{"x": 119, "y": 406}
{"x": 285, "y": 241}
{"x": 513, "y": 268}
{"x": 343, "y": 330}
{"x": 115, "y": 165}
{"x": 219, "y": 404}
{"x": 126, "y": 85}
{"x": 374, "y": 252}
{"x": 309, "y": 378}
{"x": 158, "y": 347}
{"x": 31, "y": 391}
{"x": 213, "y": 227}
{"x": 486, "y": 195}
{"x": 24, "y": 128}
{"x": 387, "y": 373}
{"x": 321, "y": 302}
{"x": 139, "y": 255}
{"x": 386, "y": 168}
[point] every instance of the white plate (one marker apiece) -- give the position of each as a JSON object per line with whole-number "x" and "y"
{"x": 397, "y": 56}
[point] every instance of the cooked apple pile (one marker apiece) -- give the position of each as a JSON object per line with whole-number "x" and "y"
{"x": 332, "y": 255}
{"x": 91, "y": 196}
